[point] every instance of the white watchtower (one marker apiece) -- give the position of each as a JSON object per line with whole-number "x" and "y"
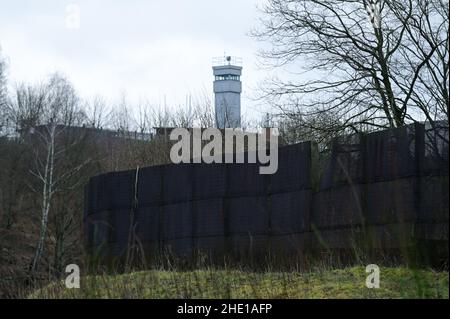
{"x": 227, "y": 90}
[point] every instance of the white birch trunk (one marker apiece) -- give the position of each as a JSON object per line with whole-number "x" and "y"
{"x": 47, "y": 193}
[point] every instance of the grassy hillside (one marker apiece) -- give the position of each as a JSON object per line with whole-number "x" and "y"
{"x": 342, "y": 283}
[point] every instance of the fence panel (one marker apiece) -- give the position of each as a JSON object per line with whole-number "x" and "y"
{"x": 147, "y": 224}
{"x": 245, "y": 180}
{"x": 116, "y": 190}
{"x": 341, "y": 206}
{"x": 382, "y": 188}
{"x": 392, "y": 154}
{"x": 177, "y": 183}
{"x": 290, "y": 212}
{"x": 392, "y": 201}
{"x": 248, "y": 215}
{"x": 294, "y": 169}
{"x": 149, "y": 186}
{"x": 209, "y": 181}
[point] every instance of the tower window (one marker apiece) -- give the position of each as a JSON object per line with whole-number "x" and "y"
{"x": 227, "y": 77}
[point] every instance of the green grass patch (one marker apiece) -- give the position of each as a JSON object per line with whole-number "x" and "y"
{"x": 396, "y": 282}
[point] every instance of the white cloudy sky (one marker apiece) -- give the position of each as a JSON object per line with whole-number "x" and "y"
{"x": 146, "y": 48}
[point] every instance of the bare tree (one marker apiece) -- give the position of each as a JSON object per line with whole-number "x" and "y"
{"x": 26, "y": 108}
{"x": 365, "y": 74}
{"x": 47, "y": 116}
{"x": 321, "y": 129}
{"x": 423, "y": 74}
{"x": 204, "y": 111}
{"x": 97, "y": 113}
{"x": 45, "y": 174}
{"x": 3, "y": 93}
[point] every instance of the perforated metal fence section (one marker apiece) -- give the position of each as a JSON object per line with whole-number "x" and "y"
{"x": 385, "y": 189}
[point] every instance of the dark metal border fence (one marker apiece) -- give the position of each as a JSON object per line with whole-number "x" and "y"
{"x": 385, "y": 189}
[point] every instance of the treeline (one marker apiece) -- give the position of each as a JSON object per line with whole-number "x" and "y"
{"x": 51, "y": 142}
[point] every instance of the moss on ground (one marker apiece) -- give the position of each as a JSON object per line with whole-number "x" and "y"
{"x": 396, "y": 282}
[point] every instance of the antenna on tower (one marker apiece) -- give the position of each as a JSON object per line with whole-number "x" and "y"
{"x": 227, "y": 60}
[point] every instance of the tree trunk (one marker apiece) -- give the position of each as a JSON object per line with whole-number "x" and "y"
{"x": 47, "y": 194}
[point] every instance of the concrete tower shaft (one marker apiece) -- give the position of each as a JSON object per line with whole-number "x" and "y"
{"x": 227, "y": 91}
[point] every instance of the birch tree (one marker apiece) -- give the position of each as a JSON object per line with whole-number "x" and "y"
{"x": 3, "y": 93}
{"x": 45, "y": 174}
{"x": 47, "y": 117}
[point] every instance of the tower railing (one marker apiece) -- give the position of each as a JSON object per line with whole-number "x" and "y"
{"x": 227, "y": 60}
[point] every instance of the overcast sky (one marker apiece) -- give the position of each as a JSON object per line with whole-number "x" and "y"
{"x": 147, "y": 49}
